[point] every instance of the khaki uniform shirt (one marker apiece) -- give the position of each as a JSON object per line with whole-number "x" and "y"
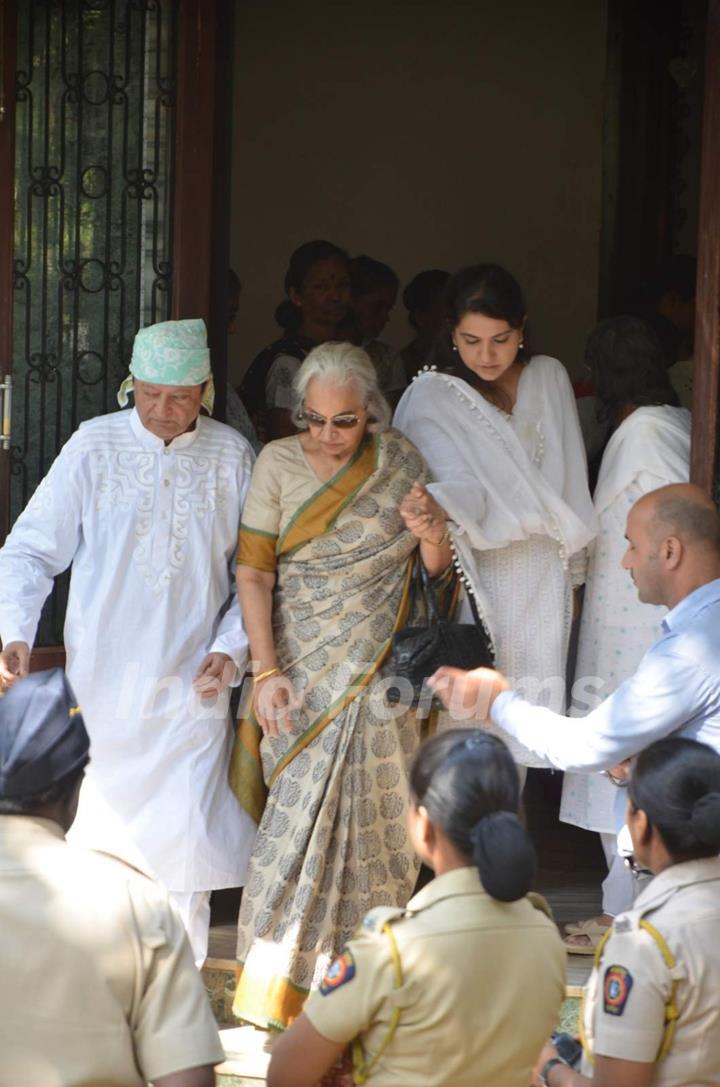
{"x": 629, "y": 990}
{"x": 483, "y": 984}
{"x": 97, "y": 980}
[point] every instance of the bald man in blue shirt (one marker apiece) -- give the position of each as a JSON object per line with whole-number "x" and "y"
{"x": 673, "y": 557}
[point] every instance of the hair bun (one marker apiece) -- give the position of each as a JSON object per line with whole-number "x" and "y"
{"x": 705, "y": 819}
{"x": 504, "y": 855}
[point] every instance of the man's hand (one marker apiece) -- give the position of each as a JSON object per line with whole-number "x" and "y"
{"x": 14, "y": 663}
{"x": 467, "y": 694}
{"x": 620, "y": 774}
{"x": 215, "y": 674}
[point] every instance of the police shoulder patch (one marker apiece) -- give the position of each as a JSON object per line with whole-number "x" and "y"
{"x": 340, "y": 971}
{"x": 616, "y": 989}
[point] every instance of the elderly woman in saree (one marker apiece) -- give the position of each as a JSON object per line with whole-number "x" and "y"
{"x": 500, "y": 433}
{"x": 327, "y": 548}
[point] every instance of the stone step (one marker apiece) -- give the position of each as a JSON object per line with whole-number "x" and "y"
{"x": 248, "y": 1052}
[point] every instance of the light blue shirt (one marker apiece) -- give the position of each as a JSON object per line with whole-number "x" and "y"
{"x": 676, "y": 689}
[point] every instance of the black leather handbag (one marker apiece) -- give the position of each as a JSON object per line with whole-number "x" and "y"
{"x": 418, "y": 651}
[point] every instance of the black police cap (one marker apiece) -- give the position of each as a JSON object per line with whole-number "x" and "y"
{"x": 42, "y": 735}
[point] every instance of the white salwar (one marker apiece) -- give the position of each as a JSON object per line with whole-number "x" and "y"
{"x": 151, "y": 531}
{"x": 651, "y": 448}
{"x": 515, "y": 489}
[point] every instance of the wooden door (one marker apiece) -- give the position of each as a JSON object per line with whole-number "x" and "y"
{"x": 706, "y": 390}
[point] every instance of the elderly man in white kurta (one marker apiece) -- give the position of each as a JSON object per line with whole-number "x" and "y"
{"x": 145, "y": 504}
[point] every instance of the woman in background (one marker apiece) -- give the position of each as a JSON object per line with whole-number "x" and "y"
{"x": 374, "y": 294}
{"x": 424, "y": 300}
{"x": 317, "y": 285}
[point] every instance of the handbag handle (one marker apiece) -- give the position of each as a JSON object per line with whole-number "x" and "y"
{"x": 431, "y": 596}
{"x": 424, "y": 581}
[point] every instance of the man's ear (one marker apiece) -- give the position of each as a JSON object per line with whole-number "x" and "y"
{"x": 672, "y": 552}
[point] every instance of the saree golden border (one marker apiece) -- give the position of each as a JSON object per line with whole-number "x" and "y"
{"x": 320, "y": 512}
{"x": 257, "y": 549}
{"x": 278, "y": 1003}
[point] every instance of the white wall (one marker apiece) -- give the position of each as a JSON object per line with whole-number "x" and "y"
{"x": 426, "y": 135}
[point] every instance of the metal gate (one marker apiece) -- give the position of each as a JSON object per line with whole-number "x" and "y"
{"x": 94, "y": 150}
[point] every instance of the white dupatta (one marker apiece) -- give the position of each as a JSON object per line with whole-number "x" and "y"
{"x": 654, "y": 441}
{"x": 496, "y": 488}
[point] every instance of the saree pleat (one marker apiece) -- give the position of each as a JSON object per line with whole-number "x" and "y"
{"x": 331, "y": 793}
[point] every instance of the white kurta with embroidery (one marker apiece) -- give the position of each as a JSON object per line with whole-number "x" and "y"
{"x": 650, "y": 449}
{"x": 151, "y": 531}
{"x": 515, "y": 488}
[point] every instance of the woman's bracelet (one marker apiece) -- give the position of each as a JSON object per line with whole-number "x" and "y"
{"x": 266, "y": 675}
{"x": 441, "y": 542}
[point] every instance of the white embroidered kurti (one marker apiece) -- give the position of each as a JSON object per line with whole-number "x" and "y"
{"x": 650, "y": 449}
{"x": 515, "y": 487}
{"x": 151, "y": 532}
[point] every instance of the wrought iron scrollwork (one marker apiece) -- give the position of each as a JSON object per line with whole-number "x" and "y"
{"x": 95, "y": 99}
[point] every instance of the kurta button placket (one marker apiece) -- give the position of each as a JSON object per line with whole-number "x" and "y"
{"x": 162, "y": 530}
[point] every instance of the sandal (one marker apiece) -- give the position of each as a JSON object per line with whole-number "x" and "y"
{"x": 593, "y": 939}
{"x": 590, "y": 927}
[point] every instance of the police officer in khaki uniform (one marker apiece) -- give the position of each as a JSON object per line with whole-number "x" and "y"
{"x": 462, "y": 987}
{"x": 97, "y": 980}
{"x": 652, "y": 1009}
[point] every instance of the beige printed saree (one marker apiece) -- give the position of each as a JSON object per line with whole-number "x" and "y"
{"x": 331, "y": 794}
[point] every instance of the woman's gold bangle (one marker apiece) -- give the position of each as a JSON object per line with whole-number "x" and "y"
{"x": 266, "y": 675}
{"x": 443, "y": 540}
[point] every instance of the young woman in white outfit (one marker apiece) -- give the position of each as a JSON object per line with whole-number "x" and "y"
{"x": 649, "y": 448}
{"x": 501, "y": 436}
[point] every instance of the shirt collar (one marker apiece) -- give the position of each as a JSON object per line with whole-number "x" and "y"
{"x": 683, "y": 613}
{"x": 676, "y": 876}
{"x": 151, "y": 441}
{"x": 460, "y": 881}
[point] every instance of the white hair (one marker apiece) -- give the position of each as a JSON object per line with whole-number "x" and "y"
{"x": 342, "y": 364}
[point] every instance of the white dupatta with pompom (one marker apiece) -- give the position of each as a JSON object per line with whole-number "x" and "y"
{"x": 503, "y": 478}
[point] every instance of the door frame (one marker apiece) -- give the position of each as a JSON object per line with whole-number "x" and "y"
{"x": 705, "y": 464}
{"x": 203, "y": 157}
{"x": 8, "y": 35}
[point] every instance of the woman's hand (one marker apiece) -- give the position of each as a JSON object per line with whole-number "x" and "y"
{"x": 423, "y": 516}
{"x": 275, "y": 703}
{"x": 547, "y": 1052}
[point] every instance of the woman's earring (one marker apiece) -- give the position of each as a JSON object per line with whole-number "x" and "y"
{"x": 521, "y": 345}
{"x": 454, "y": 347}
